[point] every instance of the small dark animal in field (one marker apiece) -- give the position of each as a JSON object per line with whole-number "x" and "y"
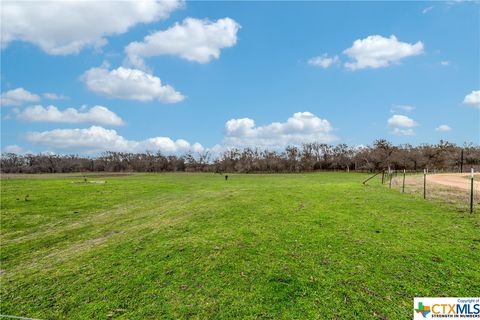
{"x": 226, "y": 177}
{"x": 26, "y": 197}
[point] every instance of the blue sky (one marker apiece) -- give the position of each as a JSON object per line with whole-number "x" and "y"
{"x": 412, "y": 76}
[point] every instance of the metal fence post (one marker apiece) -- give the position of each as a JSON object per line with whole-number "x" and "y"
{"x": 471, "y": 191}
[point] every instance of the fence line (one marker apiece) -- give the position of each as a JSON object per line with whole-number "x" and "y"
{"x": 464, "y": 198}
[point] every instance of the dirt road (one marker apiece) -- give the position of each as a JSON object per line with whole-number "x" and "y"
{"x": 456, "y": 180}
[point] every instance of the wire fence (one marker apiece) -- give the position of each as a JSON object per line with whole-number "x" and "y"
{"x": 461, "y": 190}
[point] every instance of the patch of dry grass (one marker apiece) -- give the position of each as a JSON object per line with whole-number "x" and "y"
{"x": 456, "y": 197}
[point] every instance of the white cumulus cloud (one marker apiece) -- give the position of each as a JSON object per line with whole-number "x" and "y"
{"x": 96, "y": 139}
{"x": 443, "y": 128}
{"x": 193, "y": 39}
{"x": 302, "y": 127}
{"x": 131, "y": 84}
{"x": 376, "y": 52}
{"x": 398, "y": 120}
{"x": 472, "y": 99}
{"x": 65, "y": 27}
{"x": 17, "y": 97}
{"x": 323, "y": 61}
{"x": 401, "y": 125}
{"x": 94, "y": 115}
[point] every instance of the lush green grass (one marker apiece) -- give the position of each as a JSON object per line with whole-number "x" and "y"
{"x": 298, "y": 246}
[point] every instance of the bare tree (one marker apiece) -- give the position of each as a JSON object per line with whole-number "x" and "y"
{"x": 380, "y": 155}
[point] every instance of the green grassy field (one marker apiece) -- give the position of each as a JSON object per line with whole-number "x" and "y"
{"x": 174, "y": 246}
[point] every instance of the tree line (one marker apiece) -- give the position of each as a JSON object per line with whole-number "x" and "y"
{"x": 381, "y": 155}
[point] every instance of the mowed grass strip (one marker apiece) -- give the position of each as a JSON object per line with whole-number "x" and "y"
{"x": 293, "y": 246}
